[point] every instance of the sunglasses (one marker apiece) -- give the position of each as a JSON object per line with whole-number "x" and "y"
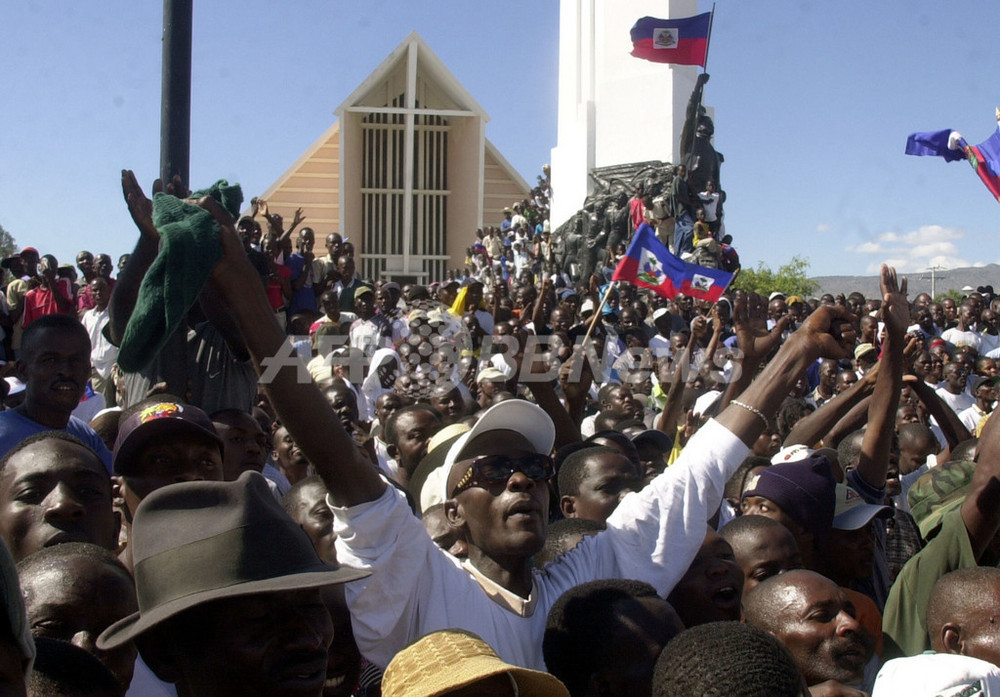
{"x": 491, "y": 470}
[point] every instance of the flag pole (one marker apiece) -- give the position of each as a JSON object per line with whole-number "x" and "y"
{"x": 704, "y": 69}
{"x": 597, "y": 312}
{"x": 708, "y": 41}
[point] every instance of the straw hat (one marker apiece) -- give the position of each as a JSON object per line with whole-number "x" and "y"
{"x": 453, "y": 658}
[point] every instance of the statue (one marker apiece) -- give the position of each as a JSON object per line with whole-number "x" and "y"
{"x": 581, "y": 241}
{"x": 594, "y": 238}
{"x": 571, "y": 247}
{"x": 616, "y": 221}
{"x": 697, "y": 154}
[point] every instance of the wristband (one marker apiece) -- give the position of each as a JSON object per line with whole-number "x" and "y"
{"x": 753, "y": 410}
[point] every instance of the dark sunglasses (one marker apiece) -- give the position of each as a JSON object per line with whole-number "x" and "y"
{"x": 497, "y": 469}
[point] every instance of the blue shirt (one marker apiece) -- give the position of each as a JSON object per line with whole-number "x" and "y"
{"x": 304, "y": 298}
{"x": 15, "y": 427}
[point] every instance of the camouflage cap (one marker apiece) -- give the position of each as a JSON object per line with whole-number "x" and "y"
{"x": 939, "y": 491}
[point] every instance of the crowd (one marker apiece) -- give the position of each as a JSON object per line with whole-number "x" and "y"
{"x": 238, "y": 468}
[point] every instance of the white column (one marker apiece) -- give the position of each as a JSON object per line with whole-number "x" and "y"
{"x": 613, "y": 108}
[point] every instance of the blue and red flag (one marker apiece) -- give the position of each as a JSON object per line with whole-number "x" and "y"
{"x": 984, "y": 157}
{"x": 683, "y": 41}
{"x": 648, "y": 264}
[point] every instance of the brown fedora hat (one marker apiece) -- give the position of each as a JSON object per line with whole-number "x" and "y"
{"x": 201, "y": 541}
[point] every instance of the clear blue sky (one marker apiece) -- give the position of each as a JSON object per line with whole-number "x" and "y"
{"x": 813, "y": 104}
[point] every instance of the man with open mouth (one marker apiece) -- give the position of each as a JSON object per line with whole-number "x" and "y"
{"x": 494, "y": 486}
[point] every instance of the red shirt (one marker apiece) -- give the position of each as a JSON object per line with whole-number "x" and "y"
{"x": 637, "y": 212}
{"x": 85, "y": 300}
{"x": 40, "y": 302}
{"x": 274, "y": 294}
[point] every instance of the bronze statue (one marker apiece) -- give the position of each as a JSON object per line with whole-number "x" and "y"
{"x": 603, "y": 221}
{"x": 697, "y": 153}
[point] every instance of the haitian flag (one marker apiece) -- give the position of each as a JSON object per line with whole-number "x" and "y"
{"x": 984, "y": 157}
{"x": 933, "y": 143}
{"x": 683, "y": 41}
{"x": 648, "y": 264}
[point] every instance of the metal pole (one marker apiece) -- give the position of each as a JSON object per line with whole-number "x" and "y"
{"x": 175, "y": 148}
{"x": 175, "y": 97}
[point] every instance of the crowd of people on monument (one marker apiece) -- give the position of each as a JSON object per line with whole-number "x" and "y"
{"x": 238, "y": 467}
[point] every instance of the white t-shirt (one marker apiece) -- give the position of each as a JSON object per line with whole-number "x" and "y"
{"x": 956, "y": 337}
{"x": 416, "y": 588}
{"x": 710, "y": 202}
{"x": 103, "y": 353}
{"x": 957, "y": 402}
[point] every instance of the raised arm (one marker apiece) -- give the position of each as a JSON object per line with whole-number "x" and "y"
{"x": 656, "y": 533}
{"x": 300, "y": 405}
{"x": 538, "y": 317}
{"x": 713, "y": 343}
{"x": 755, "y": 342}
{"x": 823, "y": 334}
{"x": 851, "y": 421}
{"x": 51, "y": 281}
{"x": 951, "y": 426}
{"x": 874, "y": 458}
{"x": 567, "y": 429}
{"x": 816, "y": 427}
{"x": 669, "y": 418}
{"x": 126, "y": 291}
{"x": 575, "y": 378}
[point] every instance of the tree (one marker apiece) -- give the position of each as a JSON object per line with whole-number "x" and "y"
{"x": 7, "y": 244}
{"x": 790, "y": 279}
{"x": 956, "y": 295}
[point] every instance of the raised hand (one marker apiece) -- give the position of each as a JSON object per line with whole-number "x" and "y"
{"x": 274, "y": 222}
{"x": 139, "y": 207}
{"x": 234, "y": 261}
{"x": 717, "y": 324}
{"x": 699, "y": 328}
{"x": 577, "y": 366}
{"x": 895, "y": 307}
{"x": 176, "y": 187}
{"x": 828, "y": 333}
{"x": 692, "y": 422}
{"x": 750, "y": 324}
{"x": 47, "y": 272}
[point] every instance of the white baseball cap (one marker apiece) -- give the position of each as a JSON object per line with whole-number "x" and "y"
{"x": 853, "y": 512}
{"x": 519, "y": 415}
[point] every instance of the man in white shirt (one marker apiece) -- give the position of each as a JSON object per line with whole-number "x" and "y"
{"x": 102, "y": 352}
{"x": 710, "y": 201}
{"x": 370, "y": 331}
{"x": 495, "y": 478}
{"x": 984, "y": 394}
{"x": 518, "y": 220}
{"x": 952, "y": 389}
{"x": 964, "y": 333}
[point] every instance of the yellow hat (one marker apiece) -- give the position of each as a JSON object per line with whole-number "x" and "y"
{"x": 452, "y": 658}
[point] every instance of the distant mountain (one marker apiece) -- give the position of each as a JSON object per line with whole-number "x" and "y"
{"x": 950, "y": 279}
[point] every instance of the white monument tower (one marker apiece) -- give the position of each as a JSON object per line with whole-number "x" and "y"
{"x": 613, "y": 108}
